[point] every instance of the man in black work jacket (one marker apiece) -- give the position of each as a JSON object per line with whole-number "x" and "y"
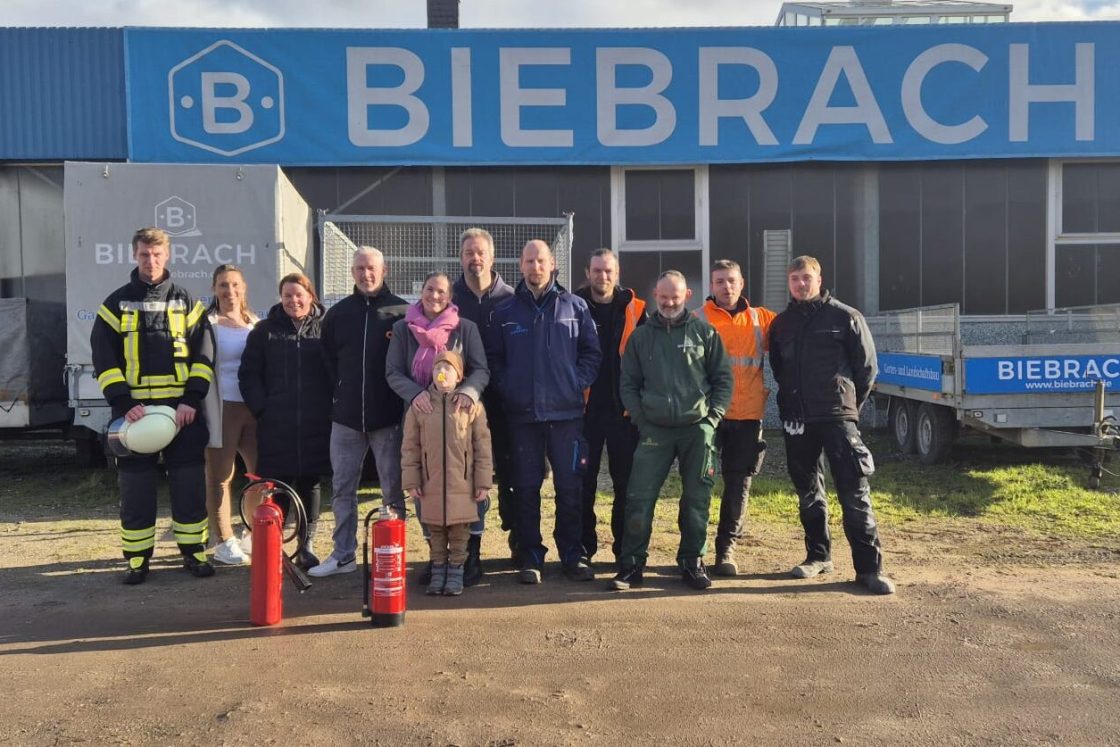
{"x": 823, "y": 359}
{"x": 367, "y": 413}
{"x": 147, "y": 345}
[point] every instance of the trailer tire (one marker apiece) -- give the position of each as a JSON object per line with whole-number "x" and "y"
{"x": 903, "y": 417}
{"x": 933, "y": 433}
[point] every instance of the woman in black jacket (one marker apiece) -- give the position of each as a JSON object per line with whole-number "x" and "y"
{"x": 285, "y": 384}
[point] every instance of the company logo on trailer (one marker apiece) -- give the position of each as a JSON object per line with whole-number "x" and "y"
{"x": 177, "y": 216}
{"x": 226, "y": 100}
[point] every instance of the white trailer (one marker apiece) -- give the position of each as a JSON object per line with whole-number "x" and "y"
{"x": 250, "y": 216}
{"x": 1050, "y": 378}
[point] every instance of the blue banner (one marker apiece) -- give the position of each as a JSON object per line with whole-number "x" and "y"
{"x": 913, "y": 371}
{"x": 657, "y": 96}
{"x": 1052, "y": 374}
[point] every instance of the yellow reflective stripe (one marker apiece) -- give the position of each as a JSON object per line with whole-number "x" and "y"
{"x": 136, "y": 534}
{"x": 109, "y": 318}
{"x": 182, "y": 373}
{"x": 202, "y": 371}
{"x": 166, "y": 392}
{"x": 189, "y": 534}
{"x": 132, "y": 358}
{"x": 176, "y": 323}
{"x": 110, "y": 376}
{"x": 137, "y": 540}
{"x": 138, "y": 545}
{"x": 196, "y": 314}
{"x": 197, "y": 526}
{"x": 130, "y": 321}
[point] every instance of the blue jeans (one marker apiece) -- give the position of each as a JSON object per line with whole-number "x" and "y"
{"x": 348, "y": 451}
{"x": 567, "y": 452}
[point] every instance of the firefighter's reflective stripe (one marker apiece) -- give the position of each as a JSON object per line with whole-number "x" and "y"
{"x": 176, "y": 304}
{"x": 109, "y": 377}
{"x": 167, "y": 392}
{"x": 196, "y": 314}
{"x": 202, "y": 371}
{"x": 160, "y": 380}
{"x": 138, "y": 540}
{"x": 176, "y": 323}
{"x": 109, "y": 318}
{"x": 190, "y": 534}
{"x": 131, "y": 345}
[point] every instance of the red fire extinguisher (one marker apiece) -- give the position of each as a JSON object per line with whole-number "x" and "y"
{"x": 383, "y": 597}
{"x": 266, "y": 571}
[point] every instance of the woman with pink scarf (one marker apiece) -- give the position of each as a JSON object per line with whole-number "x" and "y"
{"x": 431, "y": 326}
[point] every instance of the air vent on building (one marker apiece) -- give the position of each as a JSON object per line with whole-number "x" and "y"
{"x": 777, "y": 251}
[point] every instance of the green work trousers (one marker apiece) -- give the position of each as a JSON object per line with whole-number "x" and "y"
{"x": 657, "y": 447}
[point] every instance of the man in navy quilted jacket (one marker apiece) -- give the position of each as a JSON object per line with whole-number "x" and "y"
{"x": 545, "y": 353}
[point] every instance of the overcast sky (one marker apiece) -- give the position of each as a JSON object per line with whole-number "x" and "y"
{"x": 472, "y": 14}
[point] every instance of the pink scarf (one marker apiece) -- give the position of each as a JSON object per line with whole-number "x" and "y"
{"x": 432, "y": 335}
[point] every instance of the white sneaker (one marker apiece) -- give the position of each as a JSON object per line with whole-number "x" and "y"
{"x": 247, "y": 543}
{"x": 230, "y": 552}
{"x": 331, "y": 567}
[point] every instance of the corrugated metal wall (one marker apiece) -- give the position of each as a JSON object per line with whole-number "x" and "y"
{"x": 62, "y": 94}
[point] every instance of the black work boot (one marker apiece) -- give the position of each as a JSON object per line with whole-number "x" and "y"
{"x": 199, "y": 568}
{"x": 694, "y": 574}
{"x": 137, "y": 572}
{"x": 627, "y": 577}
{"x": 472, "y": 569}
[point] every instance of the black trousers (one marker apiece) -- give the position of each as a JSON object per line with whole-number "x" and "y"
{"x": 741, "y": 452}
{"x": 620, "y": 437}
{"x": 851, "y": 464}
{"x": 138, "y": 480}
{"x": 502, "y": 450}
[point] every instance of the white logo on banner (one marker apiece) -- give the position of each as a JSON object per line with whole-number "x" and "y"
{"x": 226, "y": 100}
{"x": 177, "y": 216}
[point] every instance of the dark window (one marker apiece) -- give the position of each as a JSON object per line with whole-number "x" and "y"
{"x": 642, "y": 268}
{"x": 1086, "y": 275}
{"x": 660, "y": 205}
{"x": 1091, "y": 198}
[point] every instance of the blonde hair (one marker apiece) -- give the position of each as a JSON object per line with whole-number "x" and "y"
{"x": 246, "y": 312}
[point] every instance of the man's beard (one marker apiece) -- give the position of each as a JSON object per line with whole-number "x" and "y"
{"x": 674, "y": 315}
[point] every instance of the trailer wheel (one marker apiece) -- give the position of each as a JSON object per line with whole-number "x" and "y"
{"x": 903, "y": 417}
{"x": 934, "y": 433}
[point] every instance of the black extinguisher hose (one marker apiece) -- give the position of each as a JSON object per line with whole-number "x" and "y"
{"x": 297, "y": 514}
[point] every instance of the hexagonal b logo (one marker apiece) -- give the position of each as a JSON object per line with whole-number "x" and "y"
{"x": 226, "y": 100}
{"x": 177, "y": 216}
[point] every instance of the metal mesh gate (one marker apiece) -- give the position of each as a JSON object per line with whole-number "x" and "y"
{"x": 416, "y": 245}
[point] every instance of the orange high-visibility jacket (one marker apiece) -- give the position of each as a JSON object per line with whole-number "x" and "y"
{"x": 744, "y": 334}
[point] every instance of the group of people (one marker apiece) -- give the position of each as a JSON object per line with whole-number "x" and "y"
{"x": 479, "y": 384}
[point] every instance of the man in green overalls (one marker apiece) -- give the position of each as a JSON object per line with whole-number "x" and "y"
{"x": 676, "y": 384}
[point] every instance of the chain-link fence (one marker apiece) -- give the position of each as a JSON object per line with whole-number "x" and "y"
{"x": 416, "y": 245}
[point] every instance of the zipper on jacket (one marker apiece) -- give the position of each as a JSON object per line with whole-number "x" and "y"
{"x": 365, "y": 338}
{"x": 443, "y": 398}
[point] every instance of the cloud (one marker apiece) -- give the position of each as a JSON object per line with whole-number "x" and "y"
{"x": 473, "y": 13}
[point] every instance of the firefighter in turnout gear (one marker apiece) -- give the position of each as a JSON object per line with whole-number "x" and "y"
{"x": 148, "y": 349}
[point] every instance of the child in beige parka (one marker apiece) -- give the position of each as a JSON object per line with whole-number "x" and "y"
{"x": 447, "y": 467}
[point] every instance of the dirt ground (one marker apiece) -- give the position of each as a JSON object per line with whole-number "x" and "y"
{"x": 994, "y": 638}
